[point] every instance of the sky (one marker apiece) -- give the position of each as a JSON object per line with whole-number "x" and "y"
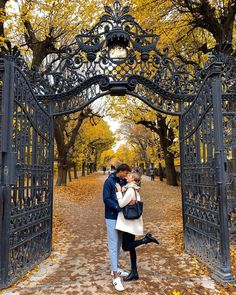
{"x": 101, "y": 106}
{"x": 114, "y": 125}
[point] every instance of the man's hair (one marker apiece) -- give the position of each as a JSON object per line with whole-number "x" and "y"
{"x": 123, "y": 167}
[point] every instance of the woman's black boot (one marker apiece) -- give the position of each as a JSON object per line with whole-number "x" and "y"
{"x": 132, "y": 276}
{"x": 150, "y": 239}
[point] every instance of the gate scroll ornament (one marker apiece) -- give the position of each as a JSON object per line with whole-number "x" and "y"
{"x": 116, "y": 57}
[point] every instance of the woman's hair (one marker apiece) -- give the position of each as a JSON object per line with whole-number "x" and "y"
{"x": 136, "y": 176}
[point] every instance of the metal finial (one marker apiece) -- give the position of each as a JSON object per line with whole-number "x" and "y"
{"x": 117, "y": 5}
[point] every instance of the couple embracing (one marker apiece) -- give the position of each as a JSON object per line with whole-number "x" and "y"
{"x": 120, "y": 189}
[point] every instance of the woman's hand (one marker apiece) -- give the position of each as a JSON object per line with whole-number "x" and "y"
{"x": 132, "y": 202}
{"x": 118, "y": 187}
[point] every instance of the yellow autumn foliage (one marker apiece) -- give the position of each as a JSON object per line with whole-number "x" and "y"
{"x": 94, "y": 138}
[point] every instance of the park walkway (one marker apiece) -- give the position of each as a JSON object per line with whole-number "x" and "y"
{"x": 79, "y": 263}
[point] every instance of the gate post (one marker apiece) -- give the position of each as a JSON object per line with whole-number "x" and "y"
{"x": 7, "y": 162}
{"x": 51, "y": 151}
{"x": 1, "y": 168}
{"x": 223, "y": 272}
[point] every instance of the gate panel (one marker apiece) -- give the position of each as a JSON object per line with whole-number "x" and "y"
{"x": 203, "y": 179}
{"x": 229, "y": 120}
{"x": 229, "y": 125}
{"x": 27, "y": 186}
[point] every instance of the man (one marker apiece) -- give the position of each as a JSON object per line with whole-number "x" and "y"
{"x": 111, "y": 212}
{"x": 151, "y": 172}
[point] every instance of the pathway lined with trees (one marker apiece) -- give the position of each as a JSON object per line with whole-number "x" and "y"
{"x": 44, "y": 31}
{"x": 79, "y": 263}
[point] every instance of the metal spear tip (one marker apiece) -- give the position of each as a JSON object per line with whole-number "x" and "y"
{"x": 117, "y": 5}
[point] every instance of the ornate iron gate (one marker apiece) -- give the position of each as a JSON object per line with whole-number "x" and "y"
{"x": 88, "y": 70}
{"x": 205, "y": 217}
{"x": 26, "y": 140}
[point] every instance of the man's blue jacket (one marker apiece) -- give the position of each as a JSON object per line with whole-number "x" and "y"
{"x": 109, "y": 196}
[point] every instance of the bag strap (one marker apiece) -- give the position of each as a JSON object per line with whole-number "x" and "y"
{"x": 135, "y": 194}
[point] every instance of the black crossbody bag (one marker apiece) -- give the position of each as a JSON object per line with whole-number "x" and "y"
{"x": 133, "y": 211}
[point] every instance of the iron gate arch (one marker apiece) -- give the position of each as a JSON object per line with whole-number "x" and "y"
{"x": 116, "y": 57}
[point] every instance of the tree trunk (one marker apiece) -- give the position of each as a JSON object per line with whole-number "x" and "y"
{"x": 166, "y": 140}
{"x": 83, "y": 168}
{"x": 62, "y": 152}
{"x": 95, "y": 167}
{"x": 166, "y": 136}
{"x": 91, "y": 168}
{"x": 171, "y": 174}
{"x": 69, "y": 174}
{"x": 161, "y": 172}
{"x": 142, "y": 168}
{"x": 63, "y": 147}
{"x": 75, "y": 172}
{"x": 95, "y": 162}
{"x": 62, "y": 170}
{"x": 147, "y": 166}
{"x": 62, "y": 175}
{"x": 143, "y": 151}
{"x": 88, "y": 169}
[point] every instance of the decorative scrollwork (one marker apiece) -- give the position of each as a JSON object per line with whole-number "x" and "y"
{"x": 132, "y": 82}
{"x": 104, "y": 83}
{"x": 118, "y": 48}
{"x": 221, "y": 53}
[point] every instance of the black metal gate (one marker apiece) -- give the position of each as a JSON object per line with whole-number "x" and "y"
{"x": 90, "y": 69}
{"x": 26, "y": 142}
{"x": 204, "y": 173}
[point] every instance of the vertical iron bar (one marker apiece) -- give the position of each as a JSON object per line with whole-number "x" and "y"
{"x": 34, "y": 191}
{"x": 8, "y": 94}
{"x": 51, "y": 159}
{"x": 223, "y": 272}
{"x": 181, "y": 136}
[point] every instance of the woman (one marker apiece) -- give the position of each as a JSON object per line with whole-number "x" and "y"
{"x": 130, "y": 228}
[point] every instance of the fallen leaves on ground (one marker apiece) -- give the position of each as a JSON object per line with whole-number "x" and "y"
{"x": 165, "y": 269}
{"x": 81, "y": 189}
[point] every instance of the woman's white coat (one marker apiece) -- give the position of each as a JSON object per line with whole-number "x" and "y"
{"x": 135, "y": 226}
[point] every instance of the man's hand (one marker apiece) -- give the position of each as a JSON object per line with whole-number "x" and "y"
{"x": 118, "y": 187}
